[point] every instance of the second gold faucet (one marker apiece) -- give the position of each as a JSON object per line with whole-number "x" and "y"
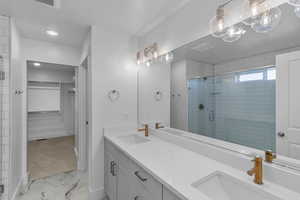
{"x": 158, "y": 125}
{"x": 145, "y": 129}
{"x": 257, "y": 170}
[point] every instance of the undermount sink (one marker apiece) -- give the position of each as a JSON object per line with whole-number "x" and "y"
{"x": 220, "y": 186}
{"x": 133, "y": 139}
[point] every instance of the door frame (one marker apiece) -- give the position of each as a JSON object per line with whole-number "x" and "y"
{"x": 25, "y": 122}
{"x": 82, "y": 101}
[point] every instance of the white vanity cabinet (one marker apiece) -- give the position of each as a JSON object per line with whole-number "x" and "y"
{"x": 110, "y": 178}
{"x": 168, "y": 195}
{"x": 125, "y": 180}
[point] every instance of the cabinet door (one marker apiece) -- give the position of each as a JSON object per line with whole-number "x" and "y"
{"x": 141, "y": 192}
{"x": 124, "y": 185}
{"x": 110, "y": 178}
{"x": 167, "y": 195}
{"x": 288, "y": 107}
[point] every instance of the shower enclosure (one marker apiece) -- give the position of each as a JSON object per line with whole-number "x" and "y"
{"x": 237, "y": 107}
{"x": 4, "y": 105}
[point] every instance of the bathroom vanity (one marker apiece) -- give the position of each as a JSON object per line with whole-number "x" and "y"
{"x": 169, "y": 166}
{"x": 126, "y": 179}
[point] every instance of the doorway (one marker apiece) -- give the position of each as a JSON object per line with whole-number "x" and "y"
{"x": 50, "y": 119}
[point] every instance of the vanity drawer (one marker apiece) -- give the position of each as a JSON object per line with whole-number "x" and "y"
{"x": 147, "y": 183}
{"x": 147, "y": 190}
{"x": 142, "y": 179}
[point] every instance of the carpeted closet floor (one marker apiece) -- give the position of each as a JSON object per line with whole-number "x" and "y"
{"x": 51, "y": 156}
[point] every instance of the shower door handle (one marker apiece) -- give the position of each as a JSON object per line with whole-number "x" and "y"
{"x": 281, "y": 134}
{"x": 211, "y": 116}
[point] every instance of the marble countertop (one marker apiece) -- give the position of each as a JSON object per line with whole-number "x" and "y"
{"x": 177, "y": 168}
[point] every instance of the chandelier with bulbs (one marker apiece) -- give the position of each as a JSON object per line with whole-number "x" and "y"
{"x": 151, "y": 55}
{"x": 259, "y": 15}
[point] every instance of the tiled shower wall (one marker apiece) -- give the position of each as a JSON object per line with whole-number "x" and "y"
{"x": 4, "y": 103}
{"x": 241, "y": 112}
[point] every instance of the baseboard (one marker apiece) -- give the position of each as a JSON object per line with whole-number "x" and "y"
{"x": 97, "y": 194}
{"x": 20, "y": 187}
{"x": 25, "y": 182}
{"x": 49, "y": 136}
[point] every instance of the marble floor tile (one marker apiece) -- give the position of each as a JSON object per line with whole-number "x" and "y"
{"x": 64, "y": 186}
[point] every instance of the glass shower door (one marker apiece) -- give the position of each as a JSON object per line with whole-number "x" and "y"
{"x": 201, "y": 106}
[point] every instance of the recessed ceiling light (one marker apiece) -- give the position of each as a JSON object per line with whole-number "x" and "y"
{"x": 36, "y": 64}
{"x": 52, "y": 33}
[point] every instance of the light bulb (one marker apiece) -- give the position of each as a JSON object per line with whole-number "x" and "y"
{"x": 294, "y": 2}
{"x": 52, "y": 33}
{"x": 138, "y": 58}
{"x": 267, "y": 21}
{"x": 37, "y": 64}
{"x": 148, "y": 63}
{"x": 252, "y": 11}
{"x": 217, "y": 24}
{"x": 220, "y": 25}
{"x": 297, "y": 11}
{"x": 155, "y": 54}
{"x": 169, "y": 57}
{"x": 234, "y": 33}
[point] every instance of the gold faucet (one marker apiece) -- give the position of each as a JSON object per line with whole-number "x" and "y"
{"x": 270, "y": 156}
{"x": 158, "y": 126}
{"x": 145, "y": 129}
{"x": 257, "y": 170}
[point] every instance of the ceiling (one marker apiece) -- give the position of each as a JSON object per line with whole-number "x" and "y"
{"x": 74, "y": 17}
{"x": 214, "y": 51}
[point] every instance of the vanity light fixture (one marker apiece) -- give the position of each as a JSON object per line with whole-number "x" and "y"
{"x": 218, "y": 27}
{"x": 151, "y": 55}
{"x": 151, "y": 52}
{"x": 261, "y": 16}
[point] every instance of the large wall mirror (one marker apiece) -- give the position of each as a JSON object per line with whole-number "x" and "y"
{"x": 245, "y": 92}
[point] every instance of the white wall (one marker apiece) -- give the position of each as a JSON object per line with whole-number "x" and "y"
{"x": 250, "y": 62}
{"x": 152, "y": 79}
{"x": 48, "y": 75}
{"x": 112, "y": 67}
{"x": 179, "y": 96}
{"x": 196, "y": 69}
{"x": 16, "y": 137}
{"x": 44, "y": 52}
{"x": 50, "y": 52}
